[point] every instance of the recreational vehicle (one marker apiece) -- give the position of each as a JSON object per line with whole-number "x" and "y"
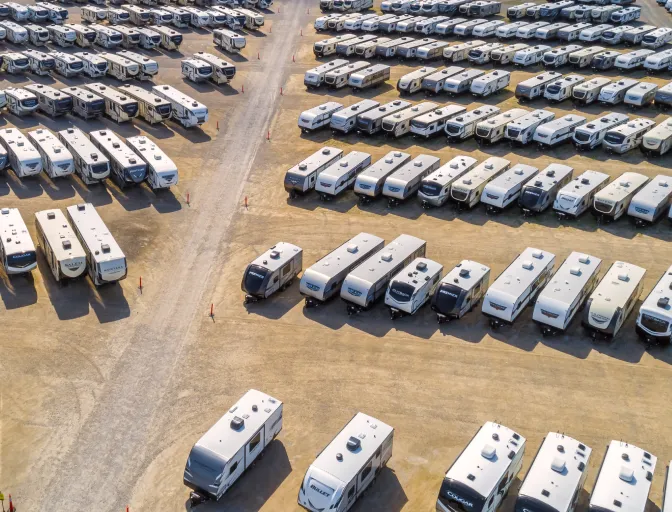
{"x": 450, "y": 7}
{"x": 434, "y": 83}
{"x": 413, "y": 287}
{"x": 653, "y": 325}
{"x": 347, "y": 47}
{"x": 605, "y": 313}
{"x": 652, "y": 201}
{"x": 318, "y": 117}
{"x": 432, "y": 123}
{"x": 120, "y": 67}
{"x": 323, "y": 279}
{"x": 84, "y": 36}
{"x": 67, "y": 64}
{"x": 355, "y": 24}
{"x": 504, "y": 190}
{"x": 62, "y": 250}
{"x": 373, "y": 24}
{"x": 172, "y": 39}
{"x": 495, "y": 453}
{"x": 22, "y": 156}
{"x": 562, "y": 89}
{"x": 370, "y": 77}
{"x": 634, "y": 36}
{"x": 604, "y": 60}
{"x": 412, "y": 82}
{"x": 341, "y": 175}
{"x": 614, "y": 35}
{"x": 222, "y": 71}
{"x": 15, "y": 63}
{"x": 505, "y": 54}
{"x": 466, "y": 191}
{"x": 431, "y": 51}
{"x": 147, "y": 68}
{"x": 57, "y": 161}
{"x": 493, "y": 129}
{"x": 626, "y": 15}
{"x": 487, "y": 29}
{"x": 150, "y": 106}
{"x": 627, "y": 136}
{"x": 390, "y": 25}
{"x": 521, "y": 130}
{"x": 588, "y": 92}
{"x": 663, "y": 99}
{"x": 482, "y": 8}
{"x": 388, "y": 49}
{"x": 658, "y": 141}
{"x": 435, "y": 188}
{"x": 20, "y": 102}
{"x": 371, "y": 122}
{"x": 15, "y": 33}
{"x": 198, "y": 18}
{"x": 446, "y": 28}
{"x": 559, "y": 130}
{"x": 491, "y": 83}
{"x": 254, "y": 20}
{"x": 228, "y": 40}
{"x": 519, "y": 11}
{"x": 428, "y": 26}
{"x": 632, "y": 60}
{"x": 36, "y": 13}
{"x": 51, "y": 101}
{"x": 185, "y": 110}
{"x": 216, "y": 18}
{"x": 481, "y": 55}
{"x": 594, "y": 33}
{"x": 93, "y": 13}
{"x": 181, "y": 18}
{"x": 530, "y": 56}
{"x": 62, "y": 36}
{"x": 273, "y": 271}
{"x": 559, "y": 56}
{"x": 658, "y": 61}
{"x": 117, "y": 16}
{"x": 345, "y": 120}
{"x": 405, "y": 181}
{"x": 347, "y": 466}
{"x": 316, "y": 76}
{"x": 563, "y": 297}
{"x": 106, "y": 37}
{"x": 161, "y": 170}
{"x": 196, "y": 70}
{"x": 656, "y": 38}
{"x": 464, "y": 126}
{"x": 336, "y": 24}
{"x": 368, "y": 49}
{"x": 461, "y": 51}
{"x": 409, "y": 50}
{"x": 118, "y": 107}
{"x": 339, "y": 77}
{"x": 38, "y": 36}
{"x": 509, "y": 30}
{"x": 535, "y": 87}
{"x": 530, "y": 30}
{"x": 408, "y": 25}
{"x": 40, "y": 63}
{"x": 572, "y": 32}
{"x": 614, "y": 93}
{"x": 612, "y": 202}
{"x": 466, "y": 29}
{"x": 130, "y": 37}
{"x": 603, "y": 13}
{"x": 301, "y": 178}
{"x": 550, "y": 32}
{"x": 552, "y": 10}
{"x": 577, "y": 197}
{"x": 138, "y": 15}
{"x": 18, "y": 12}
{"x": 90, "y": 164}
{"x": 641, "y": 95}
{"x": 540, "y": 193}
{"x": 591, "y": 135}
{"x": 460, "y": 291}
{"x": 85, "y": 103}
{"x": 125, "y": 165}
{"x": 369, "y": 183}
{"x": 235, "y": 21}
{"x": 583, "y": 57}
{"x": 17, "y": 249}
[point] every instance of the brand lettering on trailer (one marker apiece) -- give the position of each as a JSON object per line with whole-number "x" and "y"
{"x": 598, "y": 318}
{"x": 549, "y": 314}
{"x": 256, "y": 275}
{"x": 459, "y": 499}
{"x": 313, "y": 287}
{"x": 73, "y": 265}
{"x": 446, "y": 292}
{"x": 498, "y": 307}
{"x": 402, "y": 294}
{"x": 320, "y": 491}
{"x": 354, "y": 292}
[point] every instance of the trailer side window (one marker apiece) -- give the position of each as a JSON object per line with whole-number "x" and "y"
{"x": 351, "y": 492}
{"x": 255, "y": 441}
{"x": 366, "y": 471}
{"x": 285, "y": 270}
{"x": 233, "y": 468}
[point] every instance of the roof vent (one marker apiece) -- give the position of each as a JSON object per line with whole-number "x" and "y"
{"x": 625, "y": 278}
{"x": 625, "y": 456}
{"x": 527, "y": 265}
{"x": 558, "y": 465}
{"x": 275, "y": 254}
{"x": 454, "y": 166}
{"x": 585, "y": 181}
{"x": 354, "y": 444}
{"x": 51, "y": 215}
{"x": 339, "y": 457}
{"x": 81, "y": 207}
{"x": 421, "y": 266}
{"x": 303, "y": 167}
{"x": 344, "y": 164}
{"x": 237, "y": 423}
{"x": 105, "y": 248}
{"x": 489, "y": 451}
{"x": 663, "y": 302}
{"x": 386, "y": 256}
{"x": 584, "y": 259}
{"x": 626, "y": 474}
{"x": 518, "y": 171}
{"x": 464, "y": 272}
{"x": 538, "y": 183}
{"x": 545, "y": 493}
{"x": 389, "y": 160}
{"x": 418, "y": 163}
{"x": 575, "y": 271}
{"x": 255, "y": 408}
{"x": 537, "y": 254}
{"x": 352, "y": 248}
{"x": 489, "y": 166}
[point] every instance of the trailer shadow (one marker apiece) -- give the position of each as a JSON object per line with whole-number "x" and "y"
{"x": 523, "y": 334}
{"x": 164, "y": 201}
{"x": 17, "y": 291}
{"x": 24, "y": 188}
{"x": 57, "y": 189}
{"x": 108, "y": 302}
{"x": 132, "y": 198}
{"x": 386, "y": 494}
{"x": 651, "y": 506}
{"x": 421, "y": 325}
{"x": 70, "y": 298}
{"x": 171, "y": 54}
{"x": 331, "y": 314}
{"x": 255, "y": 33}
{"x": 235, "y": 57}
{"x": 626, "y": 345}
{"x": 194, "y": 135}
{"x": 573, "y": 342}
{"x": 97, "y": 194}
{"x": 43, "y": 79}
{"x": 470, "y": 328}
{"x": 158, "y": 130}
{"x": 277, "y": 306}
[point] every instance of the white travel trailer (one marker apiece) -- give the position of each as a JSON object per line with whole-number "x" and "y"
{"x": 490, "y": 83}
{"x": 434, "y": 83}
{"x": 405, "y": 181}
{"x": 40, "y": 63}
{"x": 118, "y": 106}
{"x": 273, "y": 271}
{"x": 632, "y": 60}
{"x": 604, "y": 60}
{"x": 577, "y": 197}
{"x": 67, "y": 64}
{"x": 505, "y": 189}
{"x": 345, "y": 120}
{"x": 232, "y": 445}
{"x": 36, "y": 13}
{"x": 481, "y": 8}
{"x": 222, "y": 71}
{"x": 626, "y": 14}
{"x": 488, "y": 29}
{"x": 461, "y": 51}
{"x": 15, "y": 33}
{"x": 657, "y": 38}
{"x": 559, "y": 130}
{"x": 368, "y": 49}
{"x": 517, "y": 286}
{"x": 530, "y": 56}
{"x": 466, "y": 29}
{"x": 464, "y": 126}
{"x": 336, "y": 24}
{"x": 562, "y": 89}
{"x": 566, "y": 294}
{"x": 90, "y": 164}
{"x": 591, "y": 135}
{"x": 138, "y": 15}
{"x": 316, "y": 76}
{"x": 22, "y": 156}
{"x": 347, "y": 47}
{"x": 347, "y": 467}
{"x": 408, "y": 25}
{"x": 341, "y": 175}
{"x": 161, "y": 170}
{"x": 627, "y": 136}
{"x": 170, "y": 39}
{"x": 38, "y": 36}
{"x": 493, "y": 129}
{"x": 505, "y": 54}
{"x": 658, "y": 141}
{"x": 409, "y": 49}
{"x": 198, "y": 18}
{"x": 658, "y": 61}
{"x": 151, "y": 107}
{"x": 235, "y": 20}
{"x": 388, "y": 48}
{"x": 446, "y": 28}
{"x": 62, "y": 36}
{"x": 185, "y": 110}
{"x": 124, "y": 163}
{"x": 51, "y": 101}
{"x": 147, "y": 68}
{"x": 62, "y": 250}
{"x": 614, "y": 35}
{"x": 612, "y": 202}
{"x": 324, "y": 278}
{"x": 196, "y": 70}
{"x": 641, "y": 94}
{"x": 413, "y": 287}
{"x": 521, "y": 130}
{"x": 355, "y": 24}
{"x": 57, "y": 161}
{"x": 460, "y": 291}
{"x": 495, "y": 453}
{"x": 106, "y": 37}
{"x": 372, "y": 76}
{"x": 120, "y": 67}
{"x": 370, "y": 182}
{"x": 602, "y": 14}
{"x": 433, "y": 123}
{"x": 117, "y": 16}
{"x": 130, "y": 37}
{"x": 466, "y": 191}
{"x": 634, "y": 36}
{"x": 340, "y": 77}
{"x": 181, "y": 18}
{"x": 318, "y": 117}
{"x": 435, "y": 188}
{"x": 372, "y": 121}
{"x": 373, "y": 24}
{"x": 583, "y": 57}
{"x": 588, "y": 92}
{"x": 254, "y": 20}
{"x": 560, "y": 463}
{"x": 84, "y": 36}
{"x": 572, "y": 32}
{"x": 368, "y": 283}
{"x": 302, "y": 177}
{"x": 428, "y": 26}
{"x": 509, "y": 30}
{"x": 607, "y": 310}
{"x": 535, "y": 87}
{"x": 390, "y": 25}
{"x": 85, "y": 103}
{"x": 93, "y": 13}
{"x": 19, "y": 12}
{"x": 530, "y": 30}
{"x": 481, "y": 55}
{"x": 431, "y": 51}
{"x": 550, "y": 32}
{"x": 14, "y": 63}
{"x": 412, "y": 82}
{"x": 228, "y": 40}
{"x": 57, "y": 14}
{"x": 20, "y": 102}
{"x": 519, "y": 11}
{"x": 559, "y": 56}
{"x": 539, "y": 194}
{"x": 594, "y": 33}
{"x": 215, "y": 18}
{"x": 653, "y": 327}
{"x": 652, "y": 201}
{"x": 614, "y": 93}
{"x": 17, "y": 250}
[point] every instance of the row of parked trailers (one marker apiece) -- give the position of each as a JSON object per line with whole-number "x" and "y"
{"x": 120, "y": 104}
{"x": 73, "y": 245}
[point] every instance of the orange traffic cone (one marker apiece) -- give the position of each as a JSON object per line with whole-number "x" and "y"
{"x": 11, "y": 505}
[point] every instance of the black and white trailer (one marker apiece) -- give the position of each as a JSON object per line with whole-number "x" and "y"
{"x": 272, "y": 271}
{"x": 658, "y": 141}
{"x": 613, "y": 201}
{"x": 627, "y": 136}
{"x": 372, "y": 76}
{"x": 432, "y": 123}
{"x": 654, "y": 327}
{"x": 433, "y": 84}
{"x": 40, "y": 63}
{"x": 315, "y": 77}
{"x": 37, "y": 35}
{"x": 460, "y": 82}
{"x": 634, "y": 36}
{"x": 467, "y": 190}
{"x": 399, "y": 124}
{"x": 590, "y": 135}
{"x": 464, "y": 126}
{"x": 51, "y": 101}
{"x": 540, "y": 193}
{"x": 588, "y": 92}
{"x": 372, "y": 121}
{"x": 413, "y": 287}
{"x": 405, "y": 181}
{"x": 125, "y": 165}
{"x": 302, "y": 177}
{"x": 614, "y": 93}
{"x": 370, "y": 182}
{"x": 577, "y": 196}
{"x": 505, "y": 54}
{"x": 535, "y": 87}
{"x": 493, "y": 130}
{"x": 530, "y": 56}
{"x": 345, "y": 120}
{"x": 605, "y": 60}
{"x": 85, "y": 103}
{"x": 521, "y": 130}
{"x": 641, "y": 95}
{"x": 388, "y": 49}
{"x": 367, "y": 50}
{"x": 652, "y": 201}
{"x": 318, "y": 117}
{"x": 572, "y": 32}
{"x": 118, "y": 107}
{"x": 558, "y": 131}
{"x": 91, "y": 164}
{"x": 460, "y": 52}
{"x": 340, "y": 176}
{"x": 435, "y": 188}
{"x": 339, "y": 78}
{"x": 504, "y": 191}
{"x": 460, "y": 290}
{"x": 446, "y": 28}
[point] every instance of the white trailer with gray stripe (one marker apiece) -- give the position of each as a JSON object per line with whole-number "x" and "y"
{"x": 370, "y": 182}
{"x": 302, "y": 177}
{"x": 652, "y": 201}
{"x": 91, "y": 164}
{"x": 338, "y": 78}
{"x": 658, "y": 141}
{"x": 613, "y": 201}
{"x": 315, "y": 77}
{"x": 577, "y": 196}
{"x": 345, "y": 120}
{"x": 405, "y": 181}
{"x": 341, "y": 175}
{"x": 493, "y": 129}
{"x": 505, "y": 189}
{"x": 467, "y": 190}
{"x": 654, "y": 326}
{"x": 62, "y": 250}
{"x": 464, "y": 126}
{"x": 432, "y": 123}
{"x": 399, "y": 124}
{"x": 521, "y": 130}
{"x": 540, "y": 193}
{"x": 435, "y": 188}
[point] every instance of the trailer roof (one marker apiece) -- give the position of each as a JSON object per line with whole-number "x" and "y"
{"x": 13, "y": 232}
{"x": 655, "y": 303}
{"x": 317, "y": 159}
{"x": 520, "y": 274}
{"x": 277, "y": 256}
{"x": 97, "y": 237}
{"x": 344, "y": 255}
{"x": 465, "y": 274}
{"x": 60, "y": 234}
{"x": 568, "y": 282}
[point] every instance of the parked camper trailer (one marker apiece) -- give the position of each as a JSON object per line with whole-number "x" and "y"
{"x": 372, "y": 76}
{"x": 413, "y": 287}
{"x": 447, "y": 27}
{"x": 20, "y": 102}
{"x": 22, "y": 156}
{"x": 388, "y": 48}
{"x": 495, "y": 453}
{"x": 572, "y": 32}
{"x": 345, "y": 120}
{"x": 612, "y": 202}
{"x": 615, "y": 92}
{"x": 658, "y": 141}
{"x": 461, "y": 82}
{"x": 460, "y": 52}
{"x": 323, "y": 279}
{"x": 577, "y": 197}
{"x": 370, "y": 182}
{"x": 38, "y": 36}
{"x": 519, "y": 11}
{"x": 106, "y": 37}
{"x": 371, "y": 122}
{"x": 481, "y": 55}
{"x": 18, "y": 12}
{"x": 93, "y": 13}
{"x": 627, "y": 136}
{"x": 151, "y": 107}
{"x": 14, "y": 63}
{"x": 90, "y": 164}
{"x": 51, "y": 101}
{"x": 368, "y": 283}
{"x": 137, "y": 15}
{"x": 433, "y": 123}
{"x": 67, "y": 64}
{"x": 540, "y": 193}
{"x": 302, "y": 177}
{"x": 36, "y": 13}
{"x": 634, "y": 36}
{"x": 488, "y": 29}
{"x": 590, "y": 135}
{"x": 466, "y": 191}
{"x": 490, "y": 83}
{"x": 117, "y": 16}
{"x": 85, "y": 103}
{"x": 466, "y": 28}
{"x": 434, "y": 83}
{"x": 408, "y": 25}
{"x": 641, "y": 95}
{"x": 505, "y": 54}
{"x": 341, "y": 175}
{"x": 118, "y": 107}
{"x": 57, "y": 161}
{"x": 557, "y": 131}
{"x": 509, "y": 30}
{"x": 652, "y": 201}
{"x": 15, "y": 33}
{"x": 412, "y": 82}
{"x": 435, "y": 188}
{"x": 632, "y": 60}
{"x": 535, "y": 87}
{"x": 604, "y": 60}
{"x": 594, "y": 33}
{"x": 40, "y": 63}
{"x": 658, "y": 61}
{"x": 588, "y": 92}
{"x": 566, "y": 294}
{"x": 130, "y": 36}
{"x": 196, "y": 70}
{"x": 405, "y": 181}
{"x": 431, "y": 51}
{"x": 409, "y": 50}
{"x": 504, "y": 190}
{"x": 181, "y": 18}
{"x": 186, "y": 110}
{"x": 347, "y": 466}
{"x": 355, "y": 24}
{"x": 161, "y": 170}
{"x": 521, "y": 130}
{"x": 550, "y": 32}
{"x": 464, "y": 126}
{"x": 368, "y": 49}
{"x": 530, "y": 56}
{"x": 316, "y": 76}
{"x": 125, "y": 165}
{"x": 62, "y": 250}
{"x": 347, "y": 47}
{"x": 17, "y": 250}
{"x": 583, "y": 57}
{"x": 228, "y": 40}
{"x": 373, "y": 24}
{"x": 657, "y": 38}
{"x": 460, "y": 290}
{"x": 614, "y": 35}
{"x": 653, "y": 327}
{"x": 340, "y": 77}
{"x": 482, "y": 8}
{"x": 493, "y": 129}
{"x": 428, "y": 26}
{"x": 62, "y": 36}
{"x": 559, "y": 56}
{"x": 530, "y": 30}
{"x": 318, "y": 117}
{"x": 563, "y": 88}
{"x": 94, "y": 66}
{"x": 273, "y": 271}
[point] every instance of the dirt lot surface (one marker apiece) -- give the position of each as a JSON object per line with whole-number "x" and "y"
{"x": 104, "y": 391}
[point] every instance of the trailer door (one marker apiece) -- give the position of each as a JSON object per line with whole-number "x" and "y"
{"x": 254, "y": 447}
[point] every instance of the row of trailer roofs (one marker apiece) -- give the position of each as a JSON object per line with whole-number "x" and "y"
{"x": 477, "y": 481}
